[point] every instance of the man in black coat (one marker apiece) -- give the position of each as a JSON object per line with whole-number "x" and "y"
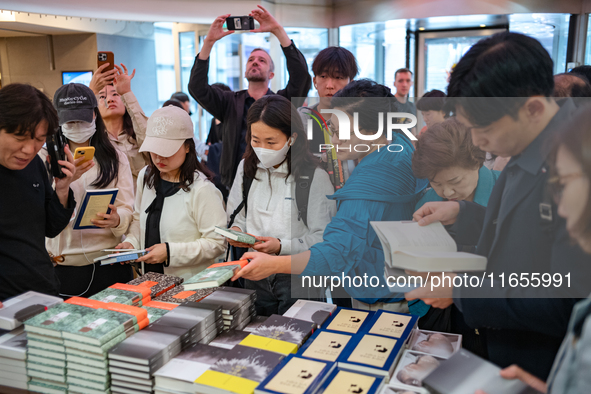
{"x": 231, "y": 107}
{"x": 502, "y": 89}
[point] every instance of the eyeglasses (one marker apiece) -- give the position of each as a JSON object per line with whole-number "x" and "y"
{"x": 557, "y": 183}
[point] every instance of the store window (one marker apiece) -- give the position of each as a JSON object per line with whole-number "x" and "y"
{"x": 165, "y": 76}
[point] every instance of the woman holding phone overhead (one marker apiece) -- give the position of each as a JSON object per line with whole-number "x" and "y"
{"x": 176, "y": 206}
{"x": 74, "y": 250}
{"x": 124, "y": 119}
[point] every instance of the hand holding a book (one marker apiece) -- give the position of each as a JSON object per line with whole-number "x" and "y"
{"x": 261, "y": 266}
{"x": 236, "y": 243}
{"x": 440, "y": 296}
{"x": 268, "y": 245}
{"x": 445, "y": 212}
{"x": 110, "y": 220}
{"x": 156, "y": 255}
{"x": 515, "y": 372}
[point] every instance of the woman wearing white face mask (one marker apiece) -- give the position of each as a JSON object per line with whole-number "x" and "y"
{"x": 275, "y": 161}
{"x": 74, "y": 250}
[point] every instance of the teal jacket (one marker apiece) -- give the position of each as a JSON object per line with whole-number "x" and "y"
{"x": 486, "y": 180}
{"x": 381, "y": 188}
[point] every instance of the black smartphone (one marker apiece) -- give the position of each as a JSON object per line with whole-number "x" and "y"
{"x": 240, "y": 23}
{"x": 55, "y": 148}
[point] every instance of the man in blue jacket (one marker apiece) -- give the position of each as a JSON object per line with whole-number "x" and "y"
{"x": 503, "y": 87}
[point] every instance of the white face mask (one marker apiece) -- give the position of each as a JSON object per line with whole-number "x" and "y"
{"x": 79, "y": 132}
{"x": 270, "y": 158}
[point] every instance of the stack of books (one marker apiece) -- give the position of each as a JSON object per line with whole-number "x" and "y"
{"x": 13, "y": 353}
{"x": 215, "y": 275}
{"x": 157, "y": 309}
{"x": 17, "y": 309}
{"x": 237, "y": 306}
{"x": 124, "y": 294}
{"x": 179, "y": 374}
{"x": 178, "y": 295}
{"x": 133, "y": 362}
{"x": 280, "y": 334}
{"x": 229, "y": 339}
{"x": 156, "y": 282}
{"x": 314, "y": 311}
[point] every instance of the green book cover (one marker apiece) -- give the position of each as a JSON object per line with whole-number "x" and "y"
{"x": 33, "y": 343}
{"x": 46, "y": 368}
{"x": 42, "y": 387}
{"x": 238, "y": 236}
{"x": 211, "y": 277}
{"x": 155, "y": 313}
{"x": 118, "y": 296}
{"x": 55, "y": 319}
{"x": 98, "y": 327}
{"x": 97, "y": 349}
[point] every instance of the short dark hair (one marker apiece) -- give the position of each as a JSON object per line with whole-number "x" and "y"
{"x": 23, "y": 108}
{"x": 444, "y": 145}
{"x": 174, "y": 102}
{"x": 335, "y": 61}
{"x": 582, "y": 70}
{"x": 571, "y": 85}
{"x": 503, "y": 66}
{"x": 180, "y": 96}
{"x": 431, "y": 101}
{"x": 272, "y": 64}
{"x": 402, "y": 70}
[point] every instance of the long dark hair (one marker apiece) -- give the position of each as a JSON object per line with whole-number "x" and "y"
{"x": 187, "y": 170}
{"x": 23, "y": 107}
{"x": 128, "y": 127}
{"x": 277, "y": 112}
{"x": 105, "y": 153}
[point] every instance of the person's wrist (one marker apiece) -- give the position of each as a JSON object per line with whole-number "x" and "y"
{"x": 279, "y": 250}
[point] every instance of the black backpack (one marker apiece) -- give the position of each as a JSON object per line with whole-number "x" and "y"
{"x": 302, "y": 195}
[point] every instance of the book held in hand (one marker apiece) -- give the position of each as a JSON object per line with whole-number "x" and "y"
{"x": 93, "y": 203}
{"x": 429, "y": 248}
{"x": 237, "y": 236}
{"x": 214, "y": 276}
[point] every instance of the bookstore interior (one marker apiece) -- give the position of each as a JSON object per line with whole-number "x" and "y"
{"x": 185, "y": 282}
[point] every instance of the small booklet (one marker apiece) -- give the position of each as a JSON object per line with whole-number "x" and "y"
{"x": 237, "y": 236}
{"x": 94, "y": 202}
{"x": 429, "y": 248}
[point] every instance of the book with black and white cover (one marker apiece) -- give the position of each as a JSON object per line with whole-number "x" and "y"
{"x": 372, "y": 354}
{"x": 13, "y": 344}
{"x": 179, "y": 374}
{"x": 326, "y": 345}
{"x": 128, "y": 387}
{"x": 255, "y": 322}
{"x": 242, "y": 291}
{"x": 428, "y": 248}
{"x": 240, "y": 314}
{"x": 398, "y": 388}
{"x": 393, "y": 324}
{"x": 193, "y": 316}
{"x": 24, "y": 306}
{"x": 465, "y": 372}
{"x": 239, "y": 371}
{"x": 229, "y": 339}
{"x": 245, "y": 322}
{"x": 295, "y": 375}
{"x": 286, "y": 329}
{"x": 341, "y": 381}
{"x": 231, "y": 301}
{"x": 413, "y": 367}
{"x": 440, "y": 344}
{"x": 127, "y": 373}
{"x": 349, "y": 320}
{"x": 178, "y": 295}
{"x": 314, "y": 311}
{"x": 157, "y": 283}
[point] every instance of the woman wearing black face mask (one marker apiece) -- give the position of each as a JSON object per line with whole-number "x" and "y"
{"x": 275, "y": 159}
{"x": 74, "y": 250}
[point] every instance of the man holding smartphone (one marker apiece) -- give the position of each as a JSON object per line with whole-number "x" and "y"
{"x": 231, "y": 107}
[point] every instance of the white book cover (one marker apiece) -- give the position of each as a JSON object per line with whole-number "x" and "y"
{"x": 191, "y": 362}
{"x": 412, "y": 247}
{"x": 13, "y": 344}
{"x": 17, "y": 309}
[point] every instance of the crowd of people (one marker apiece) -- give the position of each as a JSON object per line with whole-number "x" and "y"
{"x": 503, "y": 162}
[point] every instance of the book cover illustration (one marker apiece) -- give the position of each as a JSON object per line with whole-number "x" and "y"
{"x": 94, "y": 202}
{"x": 255, "y": 323}
{"x": 395, "y": 388}
{"x": 325, "y": 345}
{"x": 229, "y": 339}
{"x": 56, "y": 319}
{"x": 13, "y": 344}
{"x": 351, "y": 382}
{"x": 435, "y": 343}
{"x": 295, "y": 375}
{"x": 191, "y": 362}
{"x": 211, "y": 277}
{"x": 285, "y": 329}
{"x": 314, "y": 311}
{"x": 392, "y": 324}
{"x": 348, "y": 320}
{"x": 247, "y": 362}
{"x": 238, "y": 236}
{"x": 178, "y": 295}
{"x": 99, "y": 326}
{"x": 373, "y": 350}
{"x": 24, "y": 306}
{"x": 118, "y": 296}
{"x": 413, "y": 367}
{"x": 156, "y": 282}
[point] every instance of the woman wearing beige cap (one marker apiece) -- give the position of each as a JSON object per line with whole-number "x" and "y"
{"x": 176, "y": 205}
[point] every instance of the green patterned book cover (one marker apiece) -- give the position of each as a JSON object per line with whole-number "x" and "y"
{"x": 119, "y": 296}
{"x": 98, "y": 327}
{"x": 54, "y": 320}
{"x": 97, "y": 350}
{"x": 211, "y": 277}
{"x": 155, "y": 313}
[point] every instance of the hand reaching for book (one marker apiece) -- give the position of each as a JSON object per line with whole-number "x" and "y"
{"x": 268, "y": 245}
{"x": 515, "y": 372}
{"x": 156, "y": 255}
{"x": 237, "y": 244}
{"x": 445, "y": 212}
{"x": 439, "y": 297}
{"x": 261, "y": 266}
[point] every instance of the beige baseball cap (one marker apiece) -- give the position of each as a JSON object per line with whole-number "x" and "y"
{"x": 167, "y": 130}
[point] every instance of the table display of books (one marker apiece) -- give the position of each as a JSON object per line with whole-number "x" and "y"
{"x": 153, "y": 336}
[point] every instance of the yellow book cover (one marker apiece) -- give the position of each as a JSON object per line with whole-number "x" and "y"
{"x": 227, "y": 382}
{"x": 350, "y": 382}
{"x": 372, "y": 350}
{"x": 296, "y": 376}
{"x": 327, "y": 346}
{"x": 348, "y": 320}
{"x": 390, "y": 325}
{"x": 273, "y": 345}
